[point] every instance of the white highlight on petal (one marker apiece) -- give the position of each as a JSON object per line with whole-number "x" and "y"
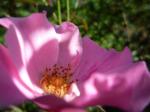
{"x": 19, "y": 40}
{"x": 110, "y": 82}
{"x": 26, "y": 79}
{"x": 73, "y": 93}
{"x": 45, "y": 36}
{"x": 75, "y": 89}
{"x": 74, "y": 42}
{"x": 23, "y": 90}
{"x": 29, "y": 52}
{"x": 90, "y": 89}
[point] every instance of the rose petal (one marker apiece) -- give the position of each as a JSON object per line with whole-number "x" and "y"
{"x": 9, "y": 94}
{"x": 96, "y": 57}
{"x": 29, "y": 36}
{"x": 42, "y": 59}
{"x": 110, "y": 78}
{"x": 50, "y": 102}
{"x": 127, "y": 88}
{"x": 72, "y": 110}
{"x": 53, "y": 103}
{"x": 70, "y": 44}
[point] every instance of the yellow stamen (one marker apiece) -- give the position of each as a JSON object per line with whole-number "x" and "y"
{"x": 56, "y": 80}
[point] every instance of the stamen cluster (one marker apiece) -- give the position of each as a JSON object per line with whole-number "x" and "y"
{"x": 56, "y": 80}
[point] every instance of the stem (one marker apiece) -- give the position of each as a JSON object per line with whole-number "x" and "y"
{"x": 68, "y": 10}
{"x": 59, "y": 11}
{"x": 101, "y": 109}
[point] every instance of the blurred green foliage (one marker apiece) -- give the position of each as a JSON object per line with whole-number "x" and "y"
{"x": 111, "y": 23}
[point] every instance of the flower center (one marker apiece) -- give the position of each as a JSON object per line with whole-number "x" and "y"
{"x": 56, "y": 80}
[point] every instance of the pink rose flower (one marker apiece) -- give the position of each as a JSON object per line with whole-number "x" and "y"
{"x": 40, "y": 61}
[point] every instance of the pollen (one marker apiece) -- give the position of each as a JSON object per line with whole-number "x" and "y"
{"x": 56, "y": 80}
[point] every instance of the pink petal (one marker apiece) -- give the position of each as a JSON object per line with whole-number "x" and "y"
{"x": 32, "y": 44}
{"x": 70, "y": 44}
{"x": 72, "y": 93}
{"x": 50, "y": 102}
{"x": 53, "y": 103}
{"x": 110, "y": 78}
{"x": 96, "y": 57}
{"x": 127, "y": 87}
{"x": 72, "y": 110}
{"x": 9, "y": 94}
{"x": 42, "y": 59}
{"x": 27, "y": 36}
